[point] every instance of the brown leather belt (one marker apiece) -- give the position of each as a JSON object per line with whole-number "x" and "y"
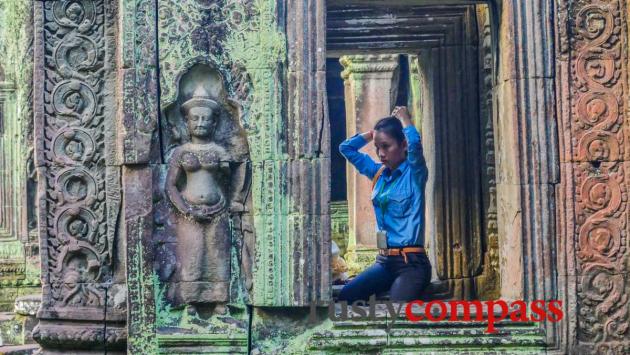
{"x": 398, "y": 251}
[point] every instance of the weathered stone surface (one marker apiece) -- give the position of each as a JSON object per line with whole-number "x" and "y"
{"x": 207, "y": 185}
{"x": 593, "y": 114}
{"x": 306, "y": 36}
{"x": 69, "y": 335}
{"x": 79, "y": 185}
{"x": 27, "y": 305}
{"x": 526, "y": 40}
{"x": 105, "y": 81}
{"x": 291, "y": 186}
{"x": 360, "y": 26}
{"x": 138, "y": 140}
{"x": 307, "y": 123}
{"x": 20, "y": 349}
{"x": 522, "y": 160}
{"x": 371, "y": 86}
{"x": 19, "y": 255}
{"x": 488, "y": 283}
{"x": 307, "y": 270}
{"x": 385, "y": 335}
{"x": 137, "y": 228}
{"x": 192, "y": 343}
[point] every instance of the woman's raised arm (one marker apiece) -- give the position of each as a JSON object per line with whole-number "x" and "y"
{"x": 361, "y": 161}
{"x": 415, "y": 154}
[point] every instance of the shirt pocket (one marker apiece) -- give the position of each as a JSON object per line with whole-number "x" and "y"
{"x": 399, "y": 204}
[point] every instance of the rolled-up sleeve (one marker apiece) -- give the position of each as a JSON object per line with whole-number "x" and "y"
{"x": 361, "y": 161}
{"x": 415, "y": 154}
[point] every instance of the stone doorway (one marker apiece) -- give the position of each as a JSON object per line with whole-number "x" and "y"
{"x": 561, "y": 179}
{"x": 438, "y": 60}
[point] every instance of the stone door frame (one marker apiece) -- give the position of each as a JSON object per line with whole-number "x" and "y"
{"x": 535, "y": 188}
{"x": 560, "y": 63}
{"x": 460, "y": 232}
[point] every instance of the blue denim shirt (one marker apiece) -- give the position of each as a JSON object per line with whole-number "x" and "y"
{"x": 403, "y": 215}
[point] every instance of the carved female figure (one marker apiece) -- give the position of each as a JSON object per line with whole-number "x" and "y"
{"x": 198, "y": 185}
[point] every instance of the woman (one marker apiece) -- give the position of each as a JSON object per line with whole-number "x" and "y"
{"x": 398, "y": 198}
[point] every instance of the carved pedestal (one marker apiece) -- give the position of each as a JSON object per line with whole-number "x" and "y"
{"x": 371, "y": 85}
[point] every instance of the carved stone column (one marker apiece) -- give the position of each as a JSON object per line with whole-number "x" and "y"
{"x": 425, "y": 116}
{"x": 592, "y": 90}
{"x": 371, "y": 83}
{"x": 79, "y": 195}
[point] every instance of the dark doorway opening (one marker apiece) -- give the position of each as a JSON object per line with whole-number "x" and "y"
{"x": 445, "y": 74}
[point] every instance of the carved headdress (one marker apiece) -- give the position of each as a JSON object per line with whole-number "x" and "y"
{"x": 200, "y": 98}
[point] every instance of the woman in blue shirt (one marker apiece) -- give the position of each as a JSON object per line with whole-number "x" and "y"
{"x": 398, "y": 182}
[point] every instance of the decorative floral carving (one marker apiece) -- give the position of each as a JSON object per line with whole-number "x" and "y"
{"x": 595, "y": 23}
{"x": 74, "y": 99}
{"x": 598, "y": 57}
{"x": 75, "y": 54}
{"x": 75, "y": 14}
{"x": 209, "y": 34}
{"x": 76, "y": 185}
{"x": 79, "y": 335}
{"x": 199, "y": 29}
{"x": 79, "y": 234}
{"x": 598, "y": 145}
{"x": 598, "y": 109}
{"x": 72, "y": 146}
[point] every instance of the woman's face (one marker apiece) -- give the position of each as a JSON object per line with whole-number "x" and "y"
{"x": 389, "y": 151}
{"x": 201, "y": 121}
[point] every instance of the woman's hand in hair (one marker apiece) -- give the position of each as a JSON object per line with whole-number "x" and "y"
{"x": 368, "y": 136}
{"x": 402, "y": 113}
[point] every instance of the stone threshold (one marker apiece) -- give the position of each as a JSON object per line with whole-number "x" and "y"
{"x": 427, "y": 337}
{"x": 386, "y": 335}
{"x": 202, "y": 343}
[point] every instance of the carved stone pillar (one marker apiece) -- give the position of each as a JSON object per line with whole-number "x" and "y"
{"x": 371, "y": 83}
{"x": 79, "y": 195}
{"x": 424, "y": 115}
{"x": 592, "y": 89}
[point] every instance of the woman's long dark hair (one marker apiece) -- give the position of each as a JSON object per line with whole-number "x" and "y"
{"x": 392, "y": 127}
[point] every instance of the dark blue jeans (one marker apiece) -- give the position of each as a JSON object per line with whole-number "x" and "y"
{"x": 405, "y": 281}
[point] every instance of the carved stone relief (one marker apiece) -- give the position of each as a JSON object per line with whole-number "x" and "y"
{"x": 207, "y": 186}
{"x": 598, "y": 89}
{"x": 79, "y": 188}
{"x": 487, "y": 284}
{"x": 76, "y": 218}
{"x": 288, "y": 209}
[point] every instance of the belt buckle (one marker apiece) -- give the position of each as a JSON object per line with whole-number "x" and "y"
{"x": 384, "y": 252}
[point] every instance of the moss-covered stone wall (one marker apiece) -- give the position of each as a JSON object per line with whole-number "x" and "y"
{"x": 19, "y": 268}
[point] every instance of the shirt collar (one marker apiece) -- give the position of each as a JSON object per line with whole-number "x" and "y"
{"x": 396, "y": 172}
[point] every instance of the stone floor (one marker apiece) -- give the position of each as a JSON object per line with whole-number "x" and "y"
{"x": 387, "y": 335}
